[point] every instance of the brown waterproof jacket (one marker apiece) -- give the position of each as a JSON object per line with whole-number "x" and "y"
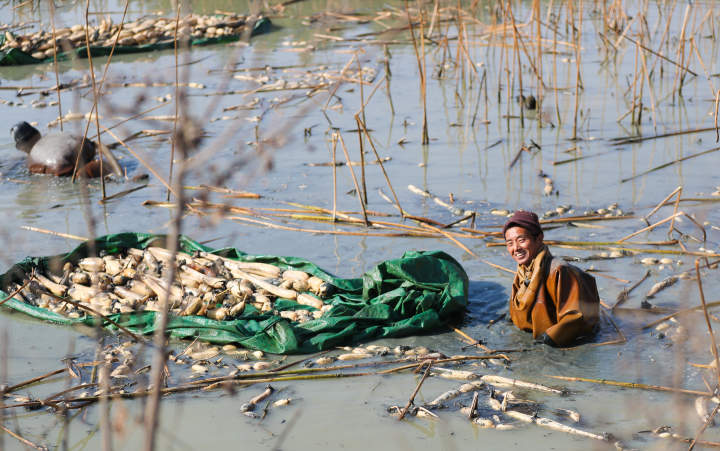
{"x": 566, "y": 306}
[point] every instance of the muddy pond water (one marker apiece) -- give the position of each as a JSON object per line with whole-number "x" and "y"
{"x": 268, "y": 127}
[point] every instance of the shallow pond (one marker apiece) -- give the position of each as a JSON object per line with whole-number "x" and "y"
{"x": 267, "y": 142}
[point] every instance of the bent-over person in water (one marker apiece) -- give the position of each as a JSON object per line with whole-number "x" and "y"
{"x": 556, "y": 301}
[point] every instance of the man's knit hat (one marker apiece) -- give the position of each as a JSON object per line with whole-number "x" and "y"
{"x": 525, "y": 219}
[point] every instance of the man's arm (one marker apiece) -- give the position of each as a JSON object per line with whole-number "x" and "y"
{"x": 576, "y": 303}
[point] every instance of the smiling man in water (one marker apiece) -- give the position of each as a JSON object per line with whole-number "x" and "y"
{"x": 557, "y": 302}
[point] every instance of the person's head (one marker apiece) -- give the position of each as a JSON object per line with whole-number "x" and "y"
{"x": 523, "y": 236}
{"x": 25, "y": 136}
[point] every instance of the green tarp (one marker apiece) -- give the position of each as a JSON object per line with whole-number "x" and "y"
{"x": 16, "y": 57}
{"x": 418, "y": 293}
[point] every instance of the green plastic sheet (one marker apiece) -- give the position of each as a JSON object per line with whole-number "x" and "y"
{"x": 16, "y": 57}
{"x": 416, "y": 294}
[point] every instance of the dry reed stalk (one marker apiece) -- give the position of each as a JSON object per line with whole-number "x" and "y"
{"x": 433, "y": 17}
{"x": 501, "y": 268}
{"x": 104, "y": 386}
{"x": 55, "y": 63}
{"x": 607, "y": 276}
{"x": 486, "y": 101}
{"x": 159, "y": 359}
{"x": 627, "y": 113}
{"x": 480, "y": 232}
{"x": 423, "y": 78}
{"x": 622, "y": 297}
{"x": 122, "y": 193}
{"x": 650, "y": 227}
{"x": 407, "y": 215}
{"x": 345, "y": 219}
{"x": 522, "y": 45}
{"x": 11, "y": 295}
{"x": 582, "y": 244}
{"x": 404, "y": 411}
{"x": 463, "y": 48}
{"x": 231, "y": 193}
{"x": 281, "y": 371}
{"x": 96, "y": 90}
{"x": 33, "y": 380}
{"x": 693, "y": 46}
{"x": 538, "y": 61}
{"x": 661, "y": 56}
{"x": 450, "y": 237}
{"x": 333, "y": 152}
{"x": 584, "y": 219}
{"x": 388, "y": 75}
{"x": 623, "y": 35}
{"x": 708, "y": 421}
{"x": 491, "y": 44}
{"x": 460, "y": 64}
{"x": 576, "y": 34}
{"x": 140, "y": 159}
{"x": 516, "y": 53}
{"x": 50, "y": 232}
{"x": 175, "y": 100}
{"x": 354, "y": 179}
{"x": 555, "y": 88}
{"x": 681, "y": 53}
{"x": 670, "y": 163}
{"x": 330, "y": 232}
{"x": 661, "y": 203}
{"x": 360, "y": 136}
{"x": 665, "y": 251}
{"x": 712, "y": 23}
{"x": 79, "y": 305}
{"x": 678, "y": 313}
{"x": 620, "y": 141}
{"x": 650, "y": 89}
{"x": 617, "y": 341}
{"x": 695, "y": 199}
{"x": 713, "y": 347}
{"x": 255, "y": 378}
{"x": 688, "y": 56}
{"x": 337, "y": 84}
{"x": 717, "y": 106}
{"x": 676, "y": 207}
{"x": 128, "y": 119}
{"x": 476, "y": 342}
{"x": 361, "y": 125}
{"x": 425, "y": 138}
{"x": 372, "y": 93}
{"x": 189, "y": 387}
{"x": 664, "y": 39}
{"x": 22, "y": 439}
{"x": 53, "y": 399}
{"x": 95, "y": 100}
{"x": 634, "y": 385}
{"x": 509, "y": 81}
{"x": 308, "y": 207}
{"x": 521, "y": 150}
{"x": 345, "y": 214}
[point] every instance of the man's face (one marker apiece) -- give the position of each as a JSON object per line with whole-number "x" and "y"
{"x": 521, "y": 245}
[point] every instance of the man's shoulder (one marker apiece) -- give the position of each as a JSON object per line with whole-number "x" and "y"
{"x": 559, "y": 264}
{"x": 561, "y": 269}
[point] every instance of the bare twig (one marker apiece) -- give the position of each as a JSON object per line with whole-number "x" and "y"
{"x": 415, "y": 392}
